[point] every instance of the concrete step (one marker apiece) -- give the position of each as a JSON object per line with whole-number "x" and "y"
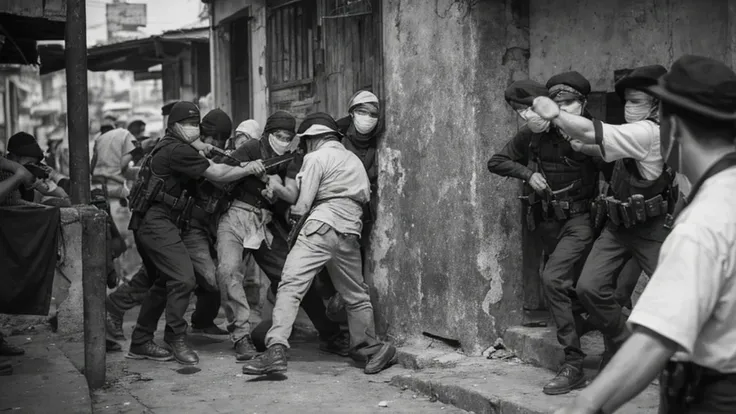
{"x": 486, "y": 386}
{"x": 43, "y": 380}
{"x": 539, "y": 346}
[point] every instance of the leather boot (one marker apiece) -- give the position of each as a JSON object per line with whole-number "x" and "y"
{"x": 382, "y": 359}
{"x": 273, "y": 361}
{"x": 338, "y": 345}
{"x": 245, "y": 350}
{"x": 568, "y": 378}
{"x": 183, "y": 353}
{"x": 149, "y": 350}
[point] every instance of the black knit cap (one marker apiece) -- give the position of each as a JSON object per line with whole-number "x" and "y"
{"x": 280, "y": 120}
{"x": 24, "y": 144}
{"x": 166, "y": 109}
{"x": 183, "y": 110}
{"x": 216, "y": 123}
{"x": 572, "y": 79}
{"x": 701, "y": 85}
{"x": 318, "y": 119}
{"x": 639, "y": 78}
{"x": 524, "y": 92}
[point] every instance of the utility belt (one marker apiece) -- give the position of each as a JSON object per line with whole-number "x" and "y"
{"x": 683, "y": 385}
{"x": 635, "y": 210}
{"x": 538, "y": 209}
{"x": 187, "y": 208}
{"x": 253, "y": 200}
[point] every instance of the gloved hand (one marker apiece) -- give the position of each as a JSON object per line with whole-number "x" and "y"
{"x": 546, "y": 108}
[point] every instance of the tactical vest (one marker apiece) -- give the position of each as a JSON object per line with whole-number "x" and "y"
{"x": 637, "y": 202}
{"x": 249, "y": 190}
{"x": 563, "y": 167}
{"x": 150, "y": 188}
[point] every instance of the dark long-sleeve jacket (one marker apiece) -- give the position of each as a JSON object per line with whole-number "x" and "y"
{"x": 513, "y": 159}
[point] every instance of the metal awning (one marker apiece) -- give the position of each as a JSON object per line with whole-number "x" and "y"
{"x": 134, "y": 55}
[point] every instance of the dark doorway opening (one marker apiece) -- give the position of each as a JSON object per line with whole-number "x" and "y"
{"x": 240, "y": 69}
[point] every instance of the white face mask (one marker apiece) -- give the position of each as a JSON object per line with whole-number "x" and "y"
{"x": 279, "y": 146}
{"x": 188, "y": 133}
{"x": 364, "y": 123}
{"x": 574, "y": 108}
{"x": 634, "y": 112}
{"x": 535, "y": 122}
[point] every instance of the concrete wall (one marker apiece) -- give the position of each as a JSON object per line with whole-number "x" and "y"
{"x": 446, "y": 255}
{"x": 596, "y": 37}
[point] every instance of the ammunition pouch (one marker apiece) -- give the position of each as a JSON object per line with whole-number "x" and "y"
{"x": 684, "y": 385}
{"x": 551, "y": 210}
{"x": 634, "y": 210}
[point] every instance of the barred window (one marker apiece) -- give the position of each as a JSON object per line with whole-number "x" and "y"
{"x": 291, "y": 30}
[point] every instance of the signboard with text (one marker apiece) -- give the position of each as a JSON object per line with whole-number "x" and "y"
{"x": 125, "y": 16}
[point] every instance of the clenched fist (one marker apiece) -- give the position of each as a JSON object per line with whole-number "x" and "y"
{"x": 546, "y": 108}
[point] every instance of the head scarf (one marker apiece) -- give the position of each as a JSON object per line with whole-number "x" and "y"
{"x": 249, "y": 128}
{"x": 362, "y": 97}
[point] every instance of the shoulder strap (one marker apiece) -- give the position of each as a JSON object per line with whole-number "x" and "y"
{"x": 598, "y": 128}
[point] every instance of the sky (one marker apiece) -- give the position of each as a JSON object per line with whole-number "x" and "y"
{"x": 162, "y": 15}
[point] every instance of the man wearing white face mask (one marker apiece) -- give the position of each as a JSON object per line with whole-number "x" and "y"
{"x": 557, "y": 212}
{"x": 641, "y": 197}
{"x": 166, "y": 232}
{"x": 683, "y": 325}
{"x": 247, "y": 130}
{"x": 256, "y": 223}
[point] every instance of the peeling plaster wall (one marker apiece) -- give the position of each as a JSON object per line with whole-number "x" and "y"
{"x": 446, "y": 249}
{"x": 596, "y": 37}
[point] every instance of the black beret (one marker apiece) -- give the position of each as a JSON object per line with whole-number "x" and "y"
{"x": 280, "y": 120}
{"x": 183, "y": 110}
{"x": 701, "y": 85}
{"x": 24, "y": 144}
{"x": 524, "y": 92}
{"x": 215, "y": 123}
{"x": 639, "y": 78}
{"x": 572, "y": 79}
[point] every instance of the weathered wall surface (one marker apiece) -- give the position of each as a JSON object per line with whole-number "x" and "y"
{"x": 446, "y": 246}
{"x": 596, "y": 37}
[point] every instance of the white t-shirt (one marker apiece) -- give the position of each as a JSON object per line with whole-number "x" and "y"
{"x": 691, "y": 298}
{"x": 637, "y": 140}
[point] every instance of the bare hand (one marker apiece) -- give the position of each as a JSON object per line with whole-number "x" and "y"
{"x": 576, "y": 145}
{"x": 275, "y": 179}
{"x": 254, "y": 167}
{"x": 206, "y": 149}
{"x": 546, "y": 108}
{"x": 537, "y": 182}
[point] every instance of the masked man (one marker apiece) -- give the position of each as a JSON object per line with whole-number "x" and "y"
{"x": 557, "y": 210}
{"x": 255, "y": 221}
{"x": 683, "y": 323}
{"x": 247, "y": 130}
{"x": 170, "y": 232}
{"x": 24, "y": 149}
{"x": 333, "y": 189}
{"x": 642, "y": 195}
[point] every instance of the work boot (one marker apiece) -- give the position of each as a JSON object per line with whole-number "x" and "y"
{"x": 273, "y": 361}
{"x": 568, "y": 378}
{"x": 183, "y": 353}
{"x": 338, "y": 345}
{"x": 209, "y": 330}
{"x": 244, "y": 349}
{"x": 114, "y": 326}
{"x": 7, "y": 349}
{"x": 149, "y": 350}
{"x": 384, "y": 358}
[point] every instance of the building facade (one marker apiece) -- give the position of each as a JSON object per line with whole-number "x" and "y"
{"x": 449, "y": 257}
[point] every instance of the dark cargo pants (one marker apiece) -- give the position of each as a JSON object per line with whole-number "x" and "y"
{"x": 173, "y": 255}
{"x": 131, "y": 294}
{"x": 596, "y": 286}
{"x": 565, "y": 242}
